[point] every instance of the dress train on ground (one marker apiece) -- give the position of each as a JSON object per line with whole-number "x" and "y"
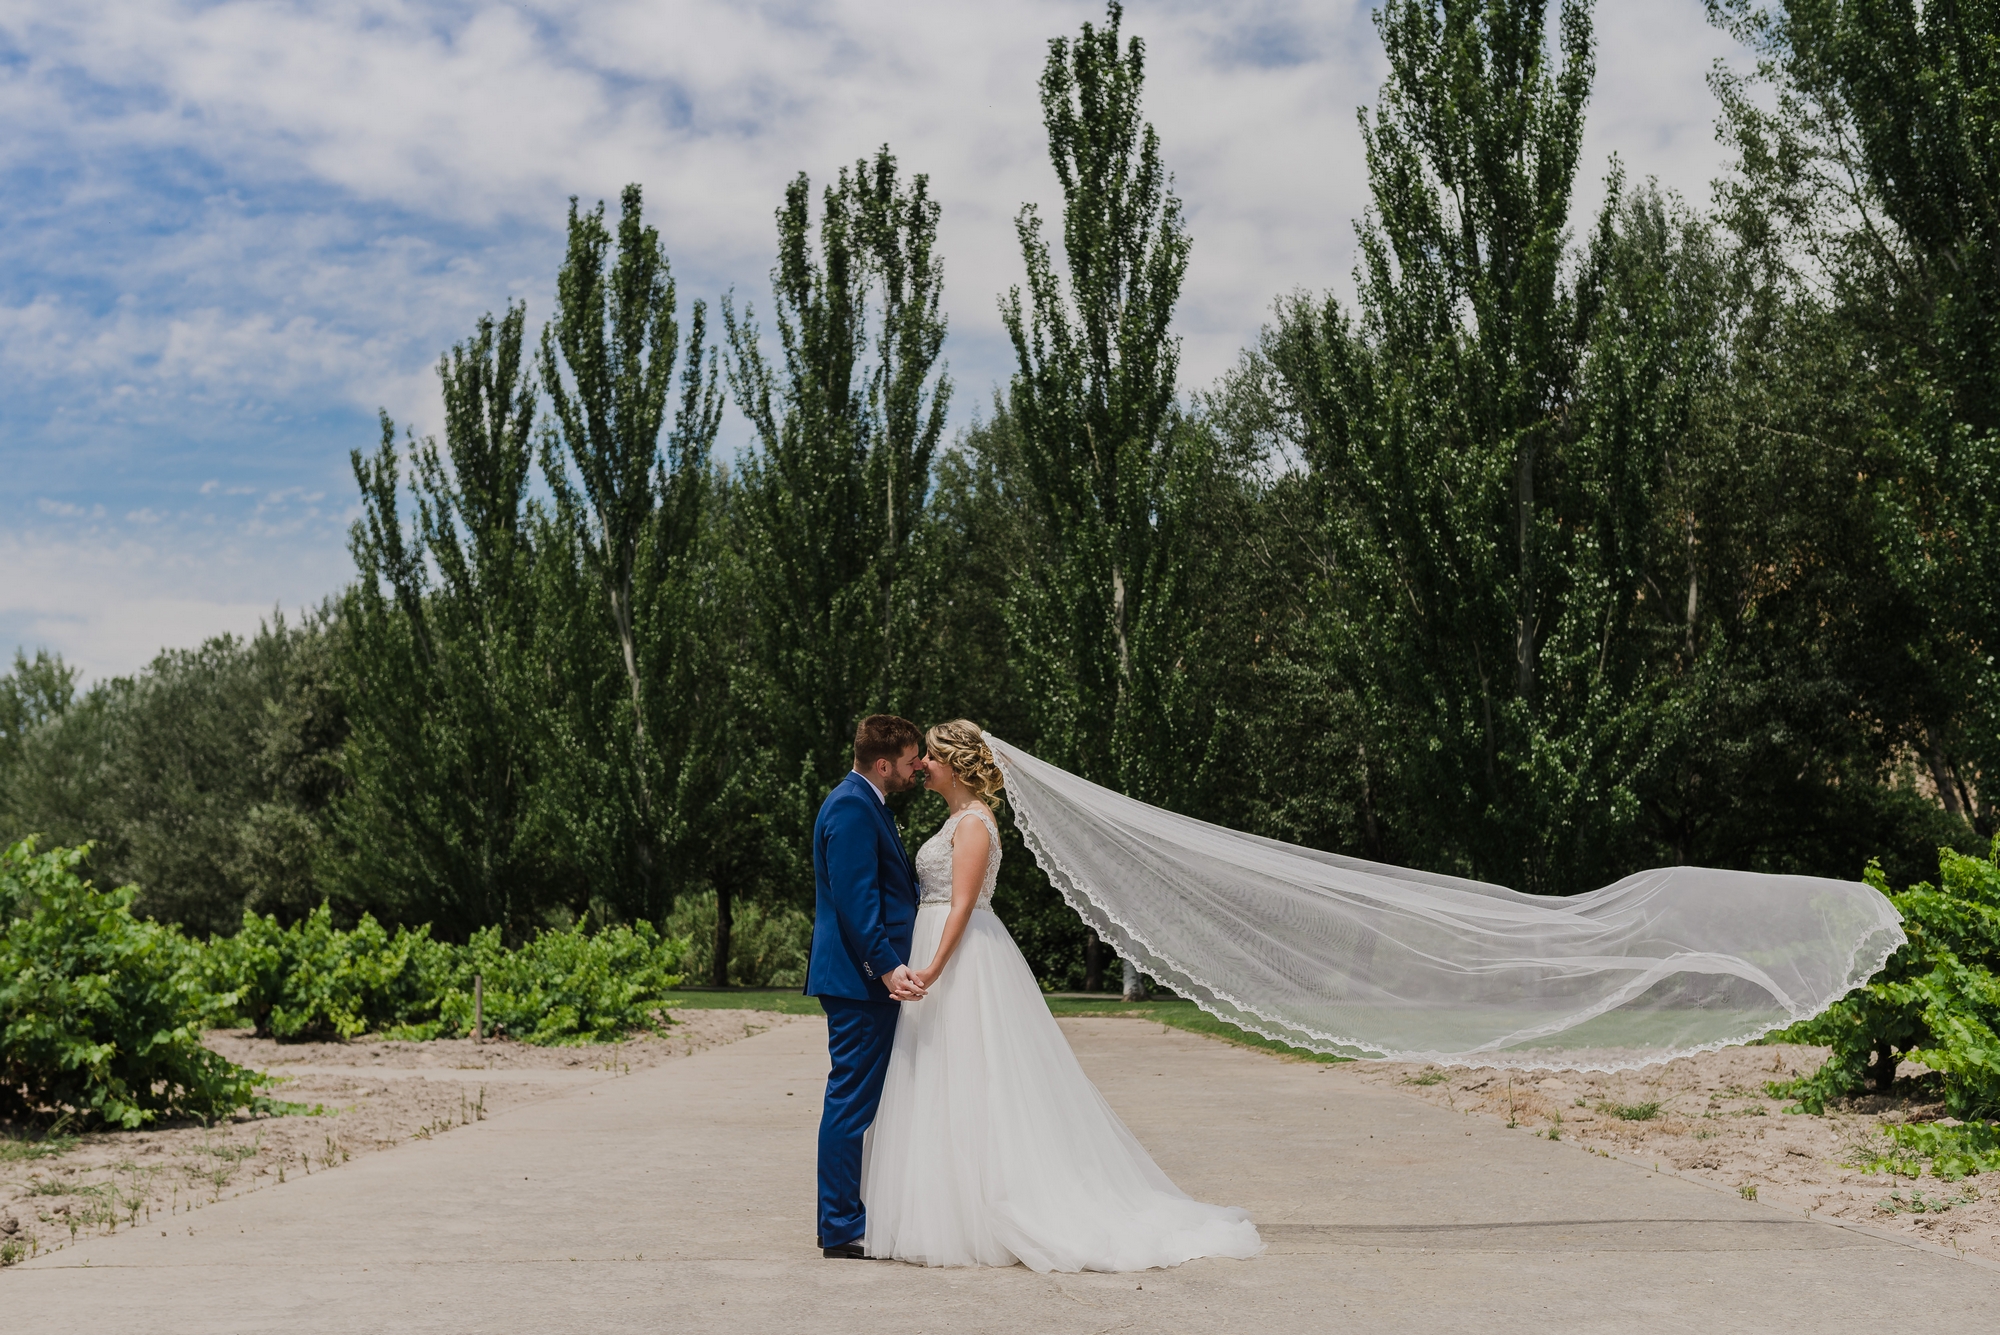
{"x": 992, "y": 1146}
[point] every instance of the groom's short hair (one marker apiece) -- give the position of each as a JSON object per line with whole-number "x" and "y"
{"x": 883, "y": 737}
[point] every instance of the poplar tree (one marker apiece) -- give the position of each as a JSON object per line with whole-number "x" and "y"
{"x": 1099, "y": 623}
{"x": 1868, "y": 190}
{"x": 627, "y": 463}
{"x": 1483, "y": 543}
{"x": 847, "y": 422}
{"x": 438, "y": 630}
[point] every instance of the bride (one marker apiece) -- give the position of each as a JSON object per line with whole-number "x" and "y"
{"x": 991, "y": 1146}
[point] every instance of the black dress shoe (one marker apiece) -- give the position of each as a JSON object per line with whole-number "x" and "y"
{"x": 843, "y": 1251}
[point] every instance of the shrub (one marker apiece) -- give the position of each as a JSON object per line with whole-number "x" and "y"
{"x": 101, "y": 1013}
{"x": 312, "y": 980}
{"x": 1953, "y": 1150}
{"x": 1937, "y": 1001}
{"x": 566, "y": 986}
{"x": 768, "y": 947}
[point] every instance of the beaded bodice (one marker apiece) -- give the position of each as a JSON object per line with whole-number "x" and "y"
{"x": 934, "y": 859}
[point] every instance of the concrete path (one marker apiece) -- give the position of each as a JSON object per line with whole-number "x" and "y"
{"x": 679, "y": 1198}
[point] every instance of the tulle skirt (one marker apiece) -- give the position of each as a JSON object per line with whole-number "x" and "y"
{"x": 992, "y": 1146}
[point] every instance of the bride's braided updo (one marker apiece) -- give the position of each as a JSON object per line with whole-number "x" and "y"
{"x": 962, "y": 745}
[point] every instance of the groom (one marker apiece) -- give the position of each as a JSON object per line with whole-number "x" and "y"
{"x": 865, "y": 906}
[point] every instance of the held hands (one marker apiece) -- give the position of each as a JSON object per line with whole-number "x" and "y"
{"x": 905, "y": 984}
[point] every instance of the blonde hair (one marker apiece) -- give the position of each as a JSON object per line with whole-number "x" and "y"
{"x": 962, "y": 745}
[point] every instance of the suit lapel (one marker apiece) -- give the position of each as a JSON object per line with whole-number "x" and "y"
{"x": 888, "y": 819}
{"x": 895, "y": 834}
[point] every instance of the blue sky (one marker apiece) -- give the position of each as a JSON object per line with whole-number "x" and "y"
{"x": 231, "y": 231}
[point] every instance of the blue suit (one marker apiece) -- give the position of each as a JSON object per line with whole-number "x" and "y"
{"x": 864, "y": 910}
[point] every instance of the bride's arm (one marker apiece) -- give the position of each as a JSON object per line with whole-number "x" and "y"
{"x": 969, "y": 843}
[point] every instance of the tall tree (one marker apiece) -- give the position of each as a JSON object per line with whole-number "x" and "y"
{"x": 1100, "y": 624}
{"x": 1869, "y": 186}
{"x": 847, "y": 425}
{"x": 1486, "y": 532}
{"x": 439, "y": 686}
{"x": 629, "y": 487}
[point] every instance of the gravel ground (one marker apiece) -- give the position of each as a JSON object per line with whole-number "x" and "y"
{"x": 1709, "y": 1117}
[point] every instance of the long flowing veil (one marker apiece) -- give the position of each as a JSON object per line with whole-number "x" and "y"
{"x": 1337, "y": 955}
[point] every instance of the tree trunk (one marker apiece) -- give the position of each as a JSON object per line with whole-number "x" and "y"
{"x": 1882, "y": 1071}
{"x": 1694, "y": 588}
{"x": 1370, "y": 832}
{"x": 725, "y": 922}
{"x": 1943, "y": 775}
{"x": 1093, "y": 963}
{"x": 889, "y": 578}
{"x": 1524, "y": 523}
{"x": 621, "y": 614}
{"x": 1135, "y": 983}
{"x": 1118, "y": 628}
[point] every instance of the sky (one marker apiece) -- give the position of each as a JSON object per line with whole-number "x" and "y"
{"x": 231, "y": 233}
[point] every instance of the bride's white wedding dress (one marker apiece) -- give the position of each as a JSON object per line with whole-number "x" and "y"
{"x": 991, "y": 1146}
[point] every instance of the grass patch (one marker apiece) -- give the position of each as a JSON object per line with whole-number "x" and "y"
{"x": 1428, "y": 1078}
{"x": 1631, "y": 1112}
{"x": 1179, "y": 1014}
{"x": 783, "y": 1000}
{"x": 1173, "y": 1012}
{"x": 1952, "y": 1152}
{"x": 1918, "y": 1203}
{"x": 15, "y": 1149}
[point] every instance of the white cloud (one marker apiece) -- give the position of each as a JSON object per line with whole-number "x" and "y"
{"x": 237, "y": 228}
{"x": 487, "y": 115}
{"x": 109, "y": 601}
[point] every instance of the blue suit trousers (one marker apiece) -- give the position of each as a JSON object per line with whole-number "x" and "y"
{"x": 859, "y": 1037}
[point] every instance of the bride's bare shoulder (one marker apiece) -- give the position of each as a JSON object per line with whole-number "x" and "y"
{"x": 984, "y": 826}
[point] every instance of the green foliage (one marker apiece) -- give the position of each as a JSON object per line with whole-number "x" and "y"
{"x": 313, "y": 981}
{"x": 828, "y": 523}
{"x": 1100, "y": 620}
{"x": 36, "y": 691}
{"x": 768, "y": 945}
{"x": 1937, "y": 1001}
{"x": 1952, "y": 1152}
{"x": 205, "y": 779}
{"x": 564, "y": 987}
{"x": 101, "y": 1013}
{"x": 438, "y": 823}
{"x": 1489, "y": 448}
{"x": 1568, "y": 548}
{"x": 847, "y": 426}
{"x": 1865, "y": 199}
{"x": 628, "y": 467}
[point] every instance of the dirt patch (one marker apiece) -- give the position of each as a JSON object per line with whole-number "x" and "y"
{"x": 365, "y": 1096}
{"x": 1709, "y": 1116}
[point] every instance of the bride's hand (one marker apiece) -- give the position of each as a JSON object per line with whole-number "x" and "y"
{"x": 928, "y": 977}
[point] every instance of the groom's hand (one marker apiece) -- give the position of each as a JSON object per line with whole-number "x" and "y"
{"x": 904, "y": 985}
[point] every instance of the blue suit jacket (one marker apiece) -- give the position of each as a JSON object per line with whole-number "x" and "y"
{"x": 864, "y": 895}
